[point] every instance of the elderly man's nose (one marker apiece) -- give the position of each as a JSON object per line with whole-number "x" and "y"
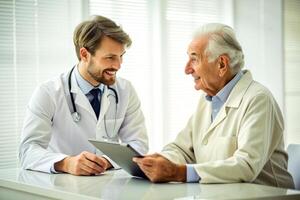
{"x": 188, "y": 68}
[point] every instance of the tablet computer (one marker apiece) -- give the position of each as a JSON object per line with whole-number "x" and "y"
{"x": 121, "y": 154}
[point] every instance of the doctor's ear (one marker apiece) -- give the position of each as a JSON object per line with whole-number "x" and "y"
{"x": 84, "y": 54}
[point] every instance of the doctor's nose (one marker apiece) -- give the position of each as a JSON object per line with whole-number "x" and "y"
{"x": 115, "y": 67}
{"x": 117, "y": 64}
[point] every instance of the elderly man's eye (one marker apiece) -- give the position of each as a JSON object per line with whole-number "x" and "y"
{"x": 194, "y": 60}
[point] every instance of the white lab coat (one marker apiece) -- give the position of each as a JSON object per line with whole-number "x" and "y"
{"x": 49, "y": 133}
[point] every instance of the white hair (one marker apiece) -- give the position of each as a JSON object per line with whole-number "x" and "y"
{"x": 222, "y": 40}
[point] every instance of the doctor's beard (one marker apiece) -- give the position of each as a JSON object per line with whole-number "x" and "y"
{"x": 105, "y": 77}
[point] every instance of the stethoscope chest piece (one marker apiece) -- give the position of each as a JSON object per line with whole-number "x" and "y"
{"x": 76, "y": 116}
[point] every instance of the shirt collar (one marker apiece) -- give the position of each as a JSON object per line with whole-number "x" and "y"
{"x": 84, "y": 85}
{"x": 225, "y": 91}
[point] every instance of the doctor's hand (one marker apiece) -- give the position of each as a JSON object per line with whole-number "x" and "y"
{"x": 85, "y": 163}
{"x": 159, "y": 169}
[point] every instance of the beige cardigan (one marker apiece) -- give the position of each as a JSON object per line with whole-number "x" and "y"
{"x": 243, "y": 144}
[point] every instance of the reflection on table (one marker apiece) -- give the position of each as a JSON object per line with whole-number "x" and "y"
{"x": 117, "y": 184}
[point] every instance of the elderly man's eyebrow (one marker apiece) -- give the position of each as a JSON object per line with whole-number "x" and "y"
{"x": 192, "y": 53}
{"x": 197, "y": 55}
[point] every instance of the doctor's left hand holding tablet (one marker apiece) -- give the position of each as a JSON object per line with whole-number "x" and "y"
{"x": 105, "y": 106}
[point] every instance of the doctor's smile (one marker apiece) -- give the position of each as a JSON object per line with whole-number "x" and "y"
{"x": 111, "y": 73}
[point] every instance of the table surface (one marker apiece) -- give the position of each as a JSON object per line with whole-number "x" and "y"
{"x": 117, "y": 184}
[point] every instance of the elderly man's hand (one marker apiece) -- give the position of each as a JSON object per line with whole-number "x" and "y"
{"x": 159, "y": 169}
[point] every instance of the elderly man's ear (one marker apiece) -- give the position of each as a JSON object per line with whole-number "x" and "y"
{"x": 223, "y": 65}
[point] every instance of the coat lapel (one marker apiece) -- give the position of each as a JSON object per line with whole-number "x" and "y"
{"x": 233, "y": 102}
{"x": 220, "y": 117}
{"x": 105, "y": 102}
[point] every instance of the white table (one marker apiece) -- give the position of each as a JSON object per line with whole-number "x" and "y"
{"x": 117, "y": 184}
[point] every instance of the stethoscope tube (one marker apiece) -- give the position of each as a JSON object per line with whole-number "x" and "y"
{"x": 75, "y": 115}
{"x": 115, "y": 93}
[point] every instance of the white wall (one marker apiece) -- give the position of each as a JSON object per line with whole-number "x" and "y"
{"x": 259, "y": 28}
{"x": 292, "y": 69}
{"x": 269, "y": 32}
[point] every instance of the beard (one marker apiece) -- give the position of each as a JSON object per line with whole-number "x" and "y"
{"x": 100, "y": 76}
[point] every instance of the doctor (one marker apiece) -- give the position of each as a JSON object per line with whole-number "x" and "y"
{"x": 88, "y": 101}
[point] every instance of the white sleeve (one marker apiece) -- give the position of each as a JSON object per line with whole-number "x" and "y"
{"x": 36, "y": 133}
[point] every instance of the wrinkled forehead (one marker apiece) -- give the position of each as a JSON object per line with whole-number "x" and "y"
{"x": 197, "y": 45}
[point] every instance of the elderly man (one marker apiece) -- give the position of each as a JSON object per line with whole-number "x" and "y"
{"x": 236, "y": 133}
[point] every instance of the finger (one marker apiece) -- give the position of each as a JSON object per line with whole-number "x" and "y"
{"x": 146, "y": 169}
{"x": 149, "y": 161}
{"x": 80, "y": 168}
{"x": 107, "y": 163}
{"x": 136, "y": 159}
{"x": 86, "y": 170}
{"x": 144, "y": 161}
{"x": 94, "y": 167}
{"x": 91, "y": 166}
{"x": 90, "y": 156}
{"x": 149, "y": 175}
{"x": 95, "y": 159}
{"x": 101, "y": 161}
{"x": 146, "y": 157}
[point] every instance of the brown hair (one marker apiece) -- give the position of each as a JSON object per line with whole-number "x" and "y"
{"x": 88, "y": 34}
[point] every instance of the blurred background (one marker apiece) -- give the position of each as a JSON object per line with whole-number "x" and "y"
{"x": 36, "y": 44}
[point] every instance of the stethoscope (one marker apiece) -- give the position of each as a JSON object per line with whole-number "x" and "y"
{"x": 76, "y": 116}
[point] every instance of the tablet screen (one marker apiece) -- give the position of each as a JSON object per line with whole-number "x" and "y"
{"x": 121, "y": 154}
